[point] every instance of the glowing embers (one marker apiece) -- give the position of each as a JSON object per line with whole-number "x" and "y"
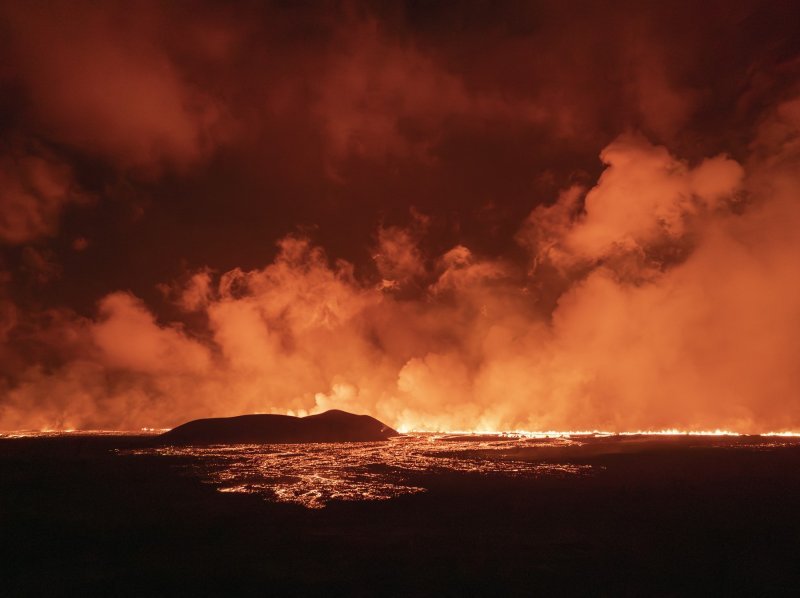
{"x": 72, "y": 432}
{"x": 314, "y": 474}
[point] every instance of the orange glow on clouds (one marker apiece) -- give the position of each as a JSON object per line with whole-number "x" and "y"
{"x": 660, "y": 293}
{"x": 679, "y": 298}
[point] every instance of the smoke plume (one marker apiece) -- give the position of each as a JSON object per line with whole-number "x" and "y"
{"x": 212, "y": 213}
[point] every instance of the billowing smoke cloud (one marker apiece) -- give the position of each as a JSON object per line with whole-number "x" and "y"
{"x": 497, "y": 275}
{"x": 680, "y": 307}
{"x": 34, "y": 189}
{"x": 100, "y": 77}
{"x": 376, "y": 91}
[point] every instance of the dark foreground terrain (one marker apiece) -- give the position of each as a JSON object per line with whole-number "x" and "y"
{"x": 655, "y": 518}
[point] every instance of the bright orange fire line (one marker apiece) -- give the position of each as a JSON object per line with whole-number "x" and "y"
{"x": 564, "y": 433}
{"x": 504, "y": 433}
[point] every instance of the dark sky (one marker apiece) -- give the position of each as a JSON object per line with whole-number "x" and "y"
{"x": 143, "y": 142}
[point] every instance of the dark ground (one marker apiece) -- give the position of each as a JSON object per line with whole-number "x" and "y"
{"x": 659, "y": 518}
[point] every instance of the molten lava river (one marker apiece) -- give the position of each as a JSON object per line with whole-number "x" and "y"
{"x": 312, "y": 475}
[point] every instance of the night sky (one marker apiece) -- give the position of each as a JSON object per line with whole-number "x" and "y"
{"x": 473, "y": 215}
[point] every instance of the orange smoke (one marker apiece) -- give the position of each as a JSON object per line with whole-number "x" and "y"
{"x": 679, "y": 308}
{"x": 530, "y": 291}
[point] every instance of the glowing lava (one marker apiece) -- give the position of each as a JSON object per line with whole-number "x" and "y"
{"x": 313, "y": 475}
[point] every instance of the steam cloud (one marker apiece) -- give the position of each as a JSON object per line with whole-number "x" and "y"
{"x": 662, "y": 293}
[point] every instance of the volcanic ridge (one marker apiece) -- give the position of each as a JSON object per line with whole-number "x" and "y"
{"x": 331, "y": 426}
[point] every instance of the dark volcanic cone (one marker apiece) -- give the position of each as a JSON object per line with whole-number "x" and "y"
{"x": 331, "y": 426}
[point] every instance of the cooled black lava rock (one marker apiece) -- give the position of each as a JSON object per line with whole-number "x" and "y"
{"x": 331, "y": 426}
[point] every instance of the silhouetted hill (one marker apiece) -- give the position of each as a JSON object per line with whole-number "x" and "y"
{"x": 331, "y": 426}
